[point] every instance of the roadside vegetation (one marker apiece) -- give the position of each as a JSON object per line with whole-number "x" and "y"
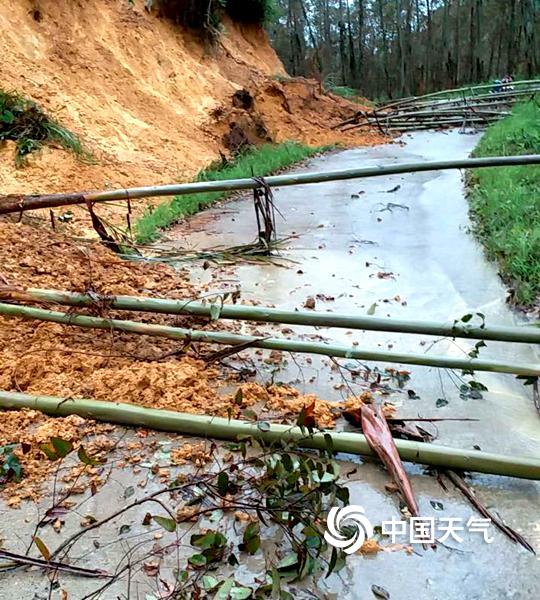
{"x": 25, "y": 123}
{"x": 505, "y": 201}
{"x": 256, "y": 162}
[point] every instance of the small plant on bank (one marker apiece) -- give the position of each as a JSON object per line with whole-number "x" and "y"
{"x": 206, "y": 16}
{"x": 203, "y": 16}
{"x": 25, "y": 123}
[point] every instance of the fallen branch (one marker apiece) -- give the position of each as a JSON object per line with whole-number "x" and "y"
{"x": 470, "y": 495}
{"x": 221, "y": 354}
{"x": 21, "y": 559}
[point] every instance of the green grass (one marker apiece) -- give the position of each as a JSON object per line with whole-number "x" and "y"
{"x": 25, "y": 123}
{"x": 343, "y": 91}
{"x": 505, "y": 201}
{"x": 348, "y": 93}
{"x": 258, "y": 162}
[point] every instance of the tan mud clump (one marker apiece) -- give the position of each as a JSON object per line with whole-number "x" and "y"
{"x": 33, "y": 257}
{"x": 29, "y": 429}
{"x": 287, "y": 403}
{"x": 198, "y": 454}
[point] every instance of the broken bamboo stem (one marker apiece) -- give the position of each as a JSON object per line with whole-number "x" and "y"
{"x": 233, "y": 429}
{"x": 457, "y": 329}
{"x": 231, "y": 339}
{"x": 20, "y": 203}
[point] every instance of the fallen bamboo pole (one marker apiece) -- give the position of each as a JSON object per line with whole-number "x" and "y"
{"x": 450, "y": 112}
{"x": 534, "y": 83}
{"x": 231, "y": 339}
{"x": 434, "y": 121}
{"x": 527, "y": 335}
{"x": 233, "y": 429}
{"x": 435, "y": 126}
{"x": 432, "y": 111}
{"x": 16, "y": 203}
{"x": 434, "y": 117}
{"x": 438, "y": 123}
{"x": 485, "y": 100}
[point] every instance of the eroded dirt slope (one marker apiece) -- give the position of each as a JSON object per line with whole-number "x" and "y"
{"x": 148, "y": 98}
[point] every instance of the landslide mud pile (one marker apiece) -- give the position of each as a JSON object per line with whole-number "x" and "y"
{"x": 71, "y": 362}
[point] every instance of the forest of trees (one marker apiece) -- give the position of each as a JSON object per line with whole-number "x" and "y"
{"x": 392, "y": 48}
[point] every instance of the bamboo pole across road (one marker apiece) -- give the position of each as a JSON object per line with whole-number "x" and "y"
{"x": 240, "y": 312}
{"x": 233, "y": 429}
{"x": 285, "y": 345}
{"x": 534, "y": 83}
{"x": 18, "y": 203}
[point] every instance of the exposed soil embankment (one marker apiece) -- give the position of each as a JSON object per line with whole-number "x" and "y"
{"x": 149, "y": 99}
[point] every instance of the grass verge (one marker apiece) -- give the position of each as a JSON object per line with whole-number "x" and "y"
{"x": 25, "y": 123}
{"x": 505, "y": 201}
{"x": 258, "y": 162}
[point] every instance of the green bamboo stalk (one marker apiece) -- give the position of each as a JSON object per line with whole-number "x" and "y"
{"x": 11, "y": 204}
{"x": 231, "y": 339}
{"x": 528, "y": 335}
{"x": 233, "y": 429}
{"x": 533, "y": 82}
{"x": 450, "y": 112}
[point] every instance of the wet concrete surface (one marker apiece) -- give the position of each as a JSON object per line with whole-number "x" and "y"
{"x": 431, "y": 268}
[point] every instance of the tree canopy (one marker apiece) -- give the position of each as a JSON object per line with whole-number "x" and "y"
{"x": 389, "y": 48}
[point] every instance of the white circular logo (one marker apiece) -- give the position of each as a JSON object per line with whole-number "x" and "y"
{"x": 354, "y": 516}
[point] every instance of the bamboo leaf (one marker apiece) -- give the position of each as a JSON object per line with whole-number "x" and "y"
{"x": 225, "y": 589}
{"x": 62, "y": 447}
{"x": 42, "y": 548}
{"x": 209, "y": 582}
{"x": 239, "y": 593}
{"x": 87, "y": 460}
{"x": 166, "y": 523}
{"x": 197, "y": 560}
{"x": 215, "y": 311}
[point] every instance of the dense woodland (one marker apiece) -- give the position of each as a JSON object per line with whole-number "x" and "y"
{"x": 389, "y": 48}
